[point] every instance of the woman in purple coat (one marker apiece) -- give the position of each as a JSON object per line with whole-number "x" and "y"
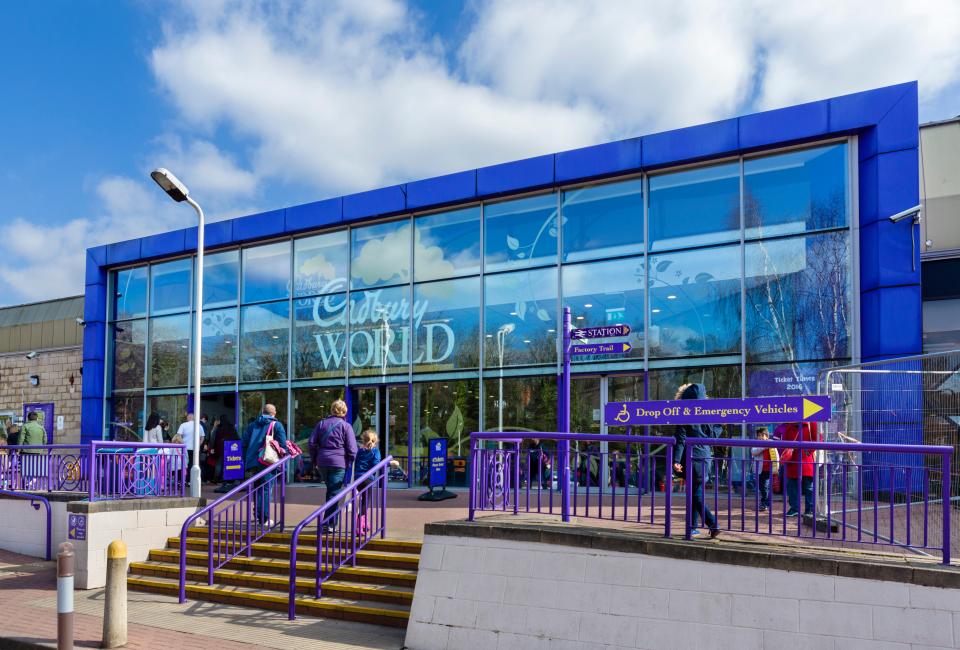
{"x": 333, "y": 446}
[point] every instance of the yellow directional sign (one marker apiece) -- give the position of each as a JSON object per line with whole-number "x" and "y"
{"x": 810, "y": 408}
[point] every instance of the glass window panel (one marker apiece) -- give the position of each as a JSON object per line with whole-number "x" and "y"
{"x": 398, "y": 421}
{"x": 219, "y": 349}
{"x": 446, "y": 318}
{"x": 720, "y": 381}
{"x": 170, "y": 286}
{"x": 941, "y": 325}
{"x": 695, "y": 302}
{"x": 253, "y": 401}
{"x": 310, "y": 405}
{"x": 126, "y": 418}
{"x": 129, "y": 354}
{"x": 221, "y": 278}
{"x": 607, "y": 293}
{"x": 130, "y": 293}
{"x": 169, "y": 350}
{"x": 527, "y": 404}
{"x": 585, "y": 411}
{"x": 796, "y": 191}
{"x": 521, "y": 318}
{"x": 625, "y": 388}
{"x": 443, "y": 409}
{"x": 320, "y": 264}
{"x": 695, "y": 207}
{"x": 266, "y": 272}
{"x": 172, "y": 410}
{"x": 447, "y": 244}
{"x": 774, "y": 380}
{"x": 380, "y": 255}
{"x": 798, "y": 298}
{"x": 263, "y": 341}
{"x": 319, "y": 347}
{"x": 603, "y": 221}
{"x": 521, "y": 233}
{"x": 380, "y": 331}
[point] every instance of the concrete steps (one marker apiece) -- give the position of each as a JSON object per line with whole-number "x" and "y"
{"x": 378, "y": 590}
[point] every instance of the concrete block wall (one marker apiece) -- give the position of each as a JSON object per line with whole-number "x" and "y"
{"x": 54, "y": 368}
{"x": 142, "y": 529}
{"x": 23, "y": 530}
{"x": 493, "y": 593}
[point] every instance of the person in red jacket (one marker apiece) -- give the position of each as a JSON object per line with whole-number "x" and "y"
{"x": 799, "y": 464}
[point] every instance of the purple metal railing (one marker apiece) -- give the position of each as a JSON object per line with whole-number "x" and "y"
{"x": 866, "y": 503}
{"x": 118, "y": 470}
{"x": 238, "y": 519}
{"x": 45, "y": 468}
{"x": 345, "y": 524}
{"x": 125, "y": 470}
{"x": 35, "y": 500}
{"x": 515, "y": 479}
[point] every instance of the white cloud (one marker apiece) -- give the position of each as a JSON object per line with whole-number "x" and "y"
{"x": 211, "y": 173}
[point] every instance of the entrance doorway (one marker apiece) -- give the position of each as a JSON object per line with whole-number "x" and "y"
{"x": 385, "y": 409}
{"x": 220, "y": 405}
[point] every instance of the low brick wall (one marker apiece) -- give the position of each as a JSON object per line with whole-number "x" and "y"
{"x": 496, "y": 585}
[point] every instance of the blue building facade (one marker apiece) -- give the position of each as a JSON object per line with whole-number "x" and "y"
{"x": 746, "y": 254}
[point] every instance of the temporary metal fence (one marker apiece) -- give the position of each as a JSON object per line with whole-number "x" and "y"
{"x": 119, "y": 470}
{"x": 238, "y": 519}
{"x": 863, "y": 496}
{"x": 908, "y": 401}
{"x": 514, "y": 478}
{"x": 344, "y": 525}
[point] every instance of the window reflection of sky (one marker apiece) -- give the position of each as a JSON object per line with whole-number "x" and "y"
{"x": 695, "y": 207}
{"x": 381, "y": 255}
{"x": 447, "y": 244}
{"x": 526, "y": 301}
{"x": 220, "y": 283}
{"x": 521, "y": 233}
{"x": 266, "y": 272}
{"x": 603, "y": 221}
{"x": 130, "y": 287}
{"x": 318, "y": 261}
{"x": 170, "y": 286}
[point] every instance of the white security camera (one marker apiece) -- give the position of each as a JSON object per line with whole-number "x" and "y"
{"x": 914, "y": 212}
{"x": 31, "y": 355}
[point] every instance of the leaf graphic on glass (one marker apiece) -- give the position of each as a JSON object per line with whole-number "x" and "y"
{"x": 703, "y": 277}
{"x": 512, "y": 243}
{"x": 455, "y": 426}
{"x": 663, "y": 266}
{"x": 543, "y": 315}
{"x": 521, "y": 310}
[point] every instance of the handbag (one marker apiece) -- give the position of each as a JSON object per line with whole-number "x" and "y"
{"x": 293, "y": 449}
{"x": 268, "y": 453}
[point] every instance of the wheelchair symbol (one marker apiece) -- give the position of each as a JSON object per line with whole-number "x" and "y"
{"x": 623, "y": 415}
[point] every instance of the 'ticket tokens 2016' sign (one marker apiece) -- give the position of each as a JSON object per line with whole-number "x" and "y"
{"x": 751, "y": 410}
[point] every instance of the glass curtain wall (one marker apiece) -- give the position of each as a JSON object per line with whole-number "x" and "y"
{"x": 736, "y": 274}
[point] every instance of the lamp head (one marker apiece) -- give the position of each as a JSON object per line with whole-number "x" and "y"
{"x": 170, "y": 184}
{"x": 507, "y": 328}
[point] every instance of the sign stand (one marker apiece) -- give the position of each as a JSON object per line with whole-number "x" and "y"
{"x": 438, "y": 472}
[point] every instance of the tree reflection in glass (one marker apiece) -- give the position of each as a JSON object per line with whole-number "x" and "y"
{"x": 522, "y": 305}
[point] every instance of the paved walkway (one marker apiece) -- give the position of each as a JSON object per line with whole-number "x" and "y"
{"x": 29, "y": 616}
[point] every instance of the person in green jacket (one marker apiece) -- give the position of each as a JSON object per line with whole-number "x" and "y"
{"x": 33, "y": 433}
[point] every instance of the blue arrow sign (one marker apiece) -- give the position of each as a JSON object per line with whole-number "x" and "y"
{"x": 600, "y": 348}
{"x": 600, "y": 332}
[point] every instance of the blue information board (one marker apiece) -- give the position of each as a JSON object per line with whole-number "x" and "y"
{"x": 232, "y": 461}
{"x": 438, "y": 462}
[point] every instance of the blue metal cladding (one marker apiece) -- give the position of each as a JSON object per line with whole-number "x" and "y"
{"x": 309, "y": 216}
{"x": 441, "y": 190}
{"x": 884, "y": 119}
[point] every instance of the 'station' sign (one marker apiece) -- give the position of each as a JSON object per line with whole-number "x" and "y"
{"x": 438, "y": 462}
{"x": 751, "y": 410}
{"x": 600, "y": 348}
{"x": 600, "y": 332}
{"x": 232, "y": 461}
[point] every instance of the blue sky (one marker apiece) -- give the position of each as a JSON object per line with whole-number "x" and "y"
{"x": 260, "y": 106}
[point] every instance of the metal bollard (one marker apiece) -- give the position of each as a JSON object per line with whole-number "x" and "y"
{"x": 115, "y": 604}
{"x": 65, "y": 597}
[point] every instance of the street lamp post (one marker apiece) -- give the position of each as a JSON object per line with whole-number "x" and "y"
{"x": 179, "y": 193}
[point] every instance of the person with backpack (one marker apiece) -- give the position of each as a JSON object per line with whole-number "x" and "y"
{"x": 255, "y": 438}
{"x": 333, "y": 447}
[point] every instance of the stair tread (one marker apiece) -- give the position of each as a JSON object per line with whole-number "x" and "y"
{"x": 269, "y": 546}
{"x": 174, "y": 554}
{"x": 413, "y": 546}
{"x": 325, "y": 602}
{"x": 274, "y": 578}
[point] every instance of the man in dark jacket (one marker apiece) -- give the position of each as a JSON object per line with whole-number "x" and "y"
{"x": 702, "y": 455}
{"x": 333, "y": 447}
{"x": 253, "y": 438}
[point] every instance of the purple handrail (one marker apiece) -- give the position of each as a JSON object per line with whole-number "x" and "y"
{"x": 338, "y": 546}
{"x": 241, "y": 523}
{"x": 33, "y": 498}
